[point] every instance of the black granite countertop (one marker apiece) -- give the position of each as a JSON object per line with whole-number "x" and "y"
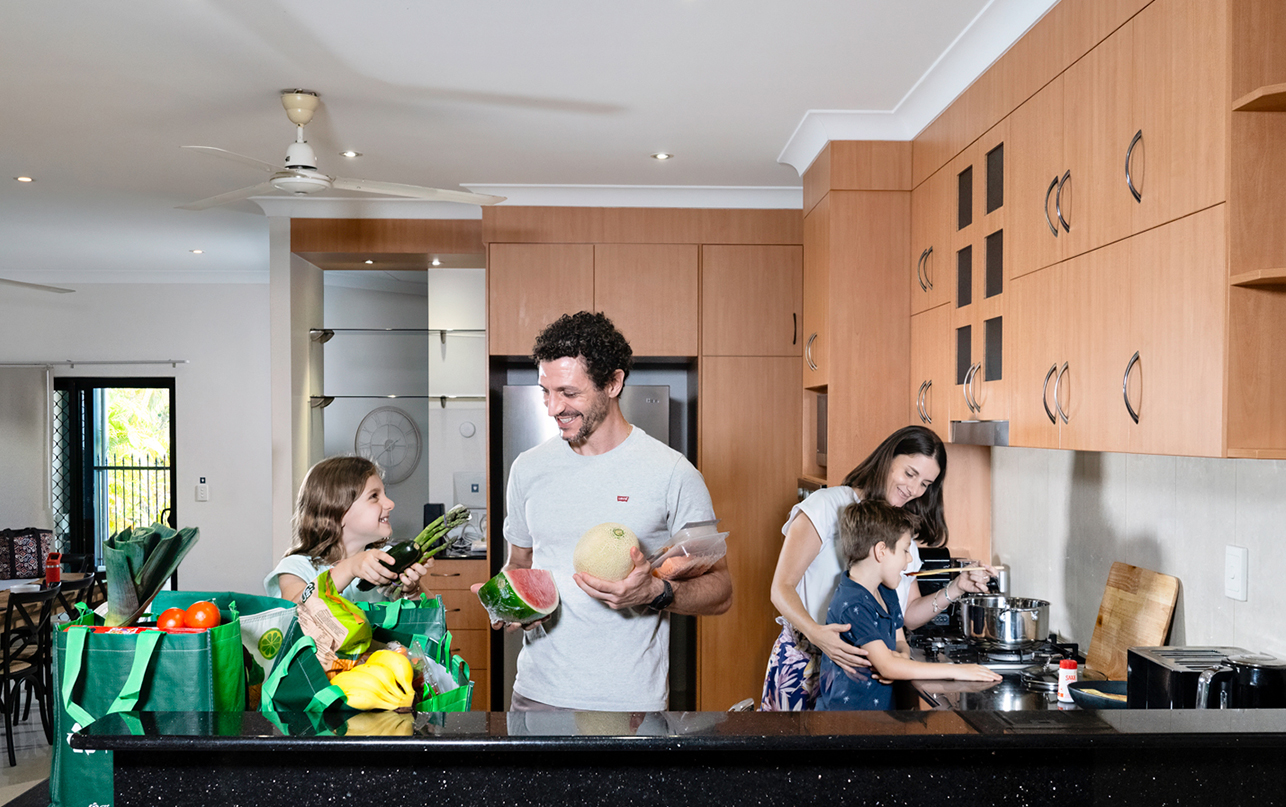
{"x": 690, "y": 731}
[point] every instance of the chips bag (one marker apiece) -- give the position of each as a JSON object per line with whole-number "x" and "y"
{"x": 340, "y": 629}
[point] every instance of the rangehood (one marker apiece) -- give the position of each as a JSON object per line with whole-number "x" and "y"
{"x": 980, "y": 432}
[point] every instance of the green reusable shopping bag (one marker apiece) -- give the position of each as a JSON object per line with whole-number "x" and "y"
{"x": 459, "y": 699}
{"x": 298, "y": 682}
{"x": 264, "y": 622}
{"x": 102, "y": 673}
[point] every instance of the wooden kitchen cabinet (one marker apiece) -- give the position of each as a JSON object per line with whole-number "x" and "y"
{"x": 1033, "y": 173}
{"x": 648, "y": 290}
{"x": 530, "y": 286}
{"x": 650, "y": 293}
{"x": 931, "y": 380}
{"x": 932, "y": 224}
{"x": 749, "y": 447}
{"x": 466, "y": 618}
{"x": 1177, "y": 322}
{"x": 751, "y": 300}
{"x": 1039, "y": 335}
{"x": 817, "y": 256}
{"x": 1181, "y": 106}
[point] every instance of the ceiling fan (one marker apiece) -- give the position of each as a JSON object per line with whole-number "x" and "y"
{"x": 299, "y": 174}
{"x": 36, "y": 286}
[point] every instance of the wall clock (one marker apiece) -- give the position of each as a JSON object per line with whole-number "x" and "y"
{"x": 389, "y": 437}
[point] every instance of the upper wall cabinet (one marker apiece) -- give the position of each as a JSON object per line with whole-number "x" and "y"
{"x": 751, "y": 300}
{"x": 530, "y": 286}
{"x": 817, "y": 262}
{"x": 931, "y": 236}
{"x": 648, "y": 290}
{"x": 1130, "y": 136}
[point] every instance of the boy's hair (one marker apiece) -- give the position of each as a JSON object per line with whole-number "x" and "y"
{"x": 864, "y": 524}
{"x": 590, "y": 337}
{"x": 329, "y": 488}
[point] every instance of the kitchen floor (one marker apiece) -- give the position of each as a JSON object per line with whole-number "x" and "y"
{"x": 34, "y": 754}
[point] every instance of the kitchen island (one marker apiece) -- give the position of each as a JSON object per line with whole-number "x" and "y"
{"x": 933, "y": 757}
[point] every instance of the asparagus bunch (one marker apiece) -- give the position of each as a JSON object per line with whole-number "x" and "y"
{"x": 423, "y": 547}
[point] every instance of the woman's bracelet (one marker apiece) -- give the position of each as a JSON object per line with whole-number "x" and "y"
{"x": 946, "y": 592}
{"x": 934, "y": 601}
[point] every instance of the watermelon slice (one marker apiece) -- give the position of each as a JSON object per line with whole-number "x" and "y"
{"x": 520, "y": 595}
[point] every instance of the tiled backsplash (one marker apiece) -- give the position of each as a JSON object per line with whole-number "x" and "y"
{"x": 1061, "y": 518}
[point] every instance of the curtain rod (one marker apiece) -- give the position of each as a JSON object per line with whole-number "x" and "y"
{"x": 70, "y": 363}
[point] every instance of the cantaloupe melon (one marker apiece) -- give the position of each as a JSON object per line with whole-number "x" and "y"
{"x": 604, "y": 551}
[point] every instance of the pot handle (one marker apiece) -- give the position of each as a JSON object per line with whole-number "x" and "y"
{"x": 1204, "y": 681}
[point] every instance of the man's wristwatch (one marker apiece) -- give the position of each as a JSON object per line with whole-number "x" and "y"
{"x": 663, "y": 600}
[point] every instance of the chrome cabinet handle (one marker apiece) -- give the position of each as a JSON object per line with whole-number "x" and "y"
{"x": 919, "y": 402}
{"x": 1129, "y": 153}
{"x": 968, "y": 388}
{"x": 1058, "y": 201}
{"x": 927, "y": 279}
{"x": 808, "y": 352}
{"x": 918, "y": 274}
{"x": 1058, "y": 380}
{"x": 928, "y": 387}
{"x": 1053, "y": 228}
{"x": 440, "y": 574}
{"x": 1125, "y": 387}
{"x": 1044, "y": 393}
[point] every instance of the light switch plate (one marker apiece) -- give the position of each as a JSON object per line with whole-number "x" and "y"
{"x": 1236, "y": 563}
{"x": 203, "y": 492}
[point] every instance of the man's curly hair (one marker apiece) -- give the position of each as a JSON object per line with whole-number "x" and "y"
{"x": 591, "y": 336}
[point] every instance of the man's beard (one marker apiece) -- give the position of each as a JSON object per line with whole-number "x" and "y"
{"x": 591, "y": 419}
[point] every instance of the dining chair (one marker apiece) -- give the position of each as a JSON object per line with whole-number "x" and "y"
{"x": 25, "y": 653}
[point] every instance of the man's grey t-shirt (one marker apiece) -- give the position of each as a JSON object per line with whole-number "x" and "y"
{"x": 589, "y": 656}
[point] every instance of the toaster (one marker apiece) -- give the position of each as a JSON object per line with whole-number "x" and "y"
{"x": 1166, "y": 677}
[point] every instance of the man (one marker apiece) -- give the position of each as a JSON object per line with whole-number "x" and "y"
{"x": 607, "y": 646}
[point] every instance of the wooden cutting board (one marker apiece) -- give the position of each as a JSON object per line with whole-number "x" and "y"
{"x": 1137, "y": 607}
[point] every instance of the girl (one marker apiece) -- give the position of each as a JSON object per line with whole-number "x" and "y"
{"x": 906, "y": 470}
{"x": 341, "y": 519}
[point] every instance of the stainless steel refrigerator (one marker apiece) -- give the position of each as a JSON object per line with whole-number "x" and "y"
{"x": 525, "y": 423}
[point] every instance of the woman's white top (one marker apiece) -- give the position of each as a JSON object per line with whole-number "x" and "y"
{"x": 821, "y": 578}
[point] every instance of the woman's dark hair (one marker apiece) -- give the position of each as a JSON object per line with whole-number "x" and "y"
{"x": 591, "y": 337}
{"x": 329, "y": 488}
{"x": 872, "y": 473}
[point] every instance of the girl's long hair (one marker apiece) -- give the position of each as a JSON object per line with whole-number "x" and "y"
{"x": 872, "y": 473}
{"x": 330, "y": 487}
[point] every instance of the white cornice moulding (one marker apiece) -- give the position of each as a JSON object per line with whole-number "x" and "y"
{"x": 334, "y": 207}
{"x": 697, "y": 196}
{"x": 993, "y": 31}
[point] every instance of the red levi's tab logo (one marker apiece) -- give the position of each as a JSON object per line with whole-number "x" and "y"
{"x": 622, "y": 498}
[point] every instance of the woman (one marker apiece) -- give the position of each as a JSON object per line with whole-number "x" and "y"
{"x": 906, "y": 470}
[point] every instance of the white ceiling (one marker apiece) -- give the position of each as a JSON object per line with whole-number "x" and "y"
{"x": 536, "y": 97}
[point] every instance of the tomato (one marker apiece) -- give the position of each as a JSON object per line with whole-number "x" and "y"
{"x": 172, "y": 618}
{"x": 201, "y": 615}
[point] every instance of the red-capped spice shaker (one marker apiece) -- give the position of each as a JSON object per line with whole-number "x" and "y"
{"x": 1067, "y": 674}
{"x": 53, "y": 568}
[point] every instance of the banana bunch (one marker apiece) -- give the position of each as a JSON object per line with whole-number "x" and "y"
{"x": 381, "y": 724}
{"x": 383, "y": 682}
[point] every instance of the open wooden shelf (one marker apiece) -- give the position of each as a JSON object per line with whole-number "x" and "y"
{"x": 1271, "y": 98}
{"x": 1260, "y": 277}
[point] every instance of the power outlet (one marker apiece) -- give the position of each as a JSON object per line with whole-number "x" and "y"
{"x": 1236, "y": 563}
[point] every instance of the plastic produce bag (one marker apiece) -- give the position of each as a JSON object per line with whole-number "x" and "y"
{"x": 692, "y": 551}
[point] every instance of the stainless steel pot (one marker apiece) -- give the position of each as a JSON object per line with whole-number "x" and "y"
{"x": 1012, "y": 623}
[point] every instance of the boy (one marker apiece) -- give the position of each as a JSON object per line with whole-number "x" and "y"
{"x": 875, "y": 545}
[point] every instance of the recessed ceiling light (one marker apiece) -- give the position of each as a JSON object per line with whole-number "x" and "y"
{"x": 437, "y": 262}
{"x": 368, "y": 263}
{"x": 197, "y": 251}
{"x": 24, "y": 179}
{"x": 350, "y": 154}
{"x": 663, "y": 155}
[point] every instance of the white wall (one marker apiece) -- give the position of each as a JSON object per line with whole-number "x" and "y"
{"x": 1061, "y": 518}
{"x": 24, "y": 448}
{"x": 221, "y": 403}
